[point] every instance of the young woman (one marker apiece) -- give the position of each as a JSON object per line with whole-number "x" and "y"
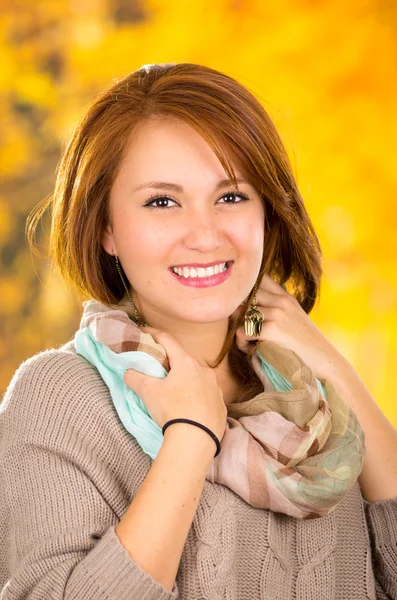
{"x": 199, "y": 437}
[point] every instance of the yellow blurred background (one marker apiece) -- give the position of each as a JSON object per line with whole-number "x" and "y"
{"x": 325, "y": 70}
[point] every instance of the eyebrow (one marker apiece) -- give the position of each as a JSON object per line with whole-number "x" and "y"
{"x": 167, "y": 185}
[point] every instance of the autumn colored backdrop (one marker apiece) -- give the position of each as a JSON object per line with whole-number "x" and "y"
{"x": 325, "y": 70}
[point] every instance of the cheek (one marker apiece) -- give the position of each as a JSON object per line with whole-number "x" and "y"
{"x": 249, "y": 236}
{"x": 142, "y": 239}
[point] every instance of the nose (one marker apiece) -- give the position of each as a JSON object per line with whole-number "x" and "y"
{"x": 205, "y": 231}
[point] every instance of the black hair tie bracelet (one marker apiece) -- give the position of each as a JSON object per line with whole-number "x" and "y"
{"x": 217, "y": 442}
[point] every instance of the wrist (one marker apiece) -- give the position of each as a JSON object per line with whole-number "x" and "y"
{"x": 193, "y": 438}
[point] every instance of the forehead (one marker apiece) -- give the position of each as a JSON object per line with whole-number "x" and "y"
{"x": 163, "y": 148}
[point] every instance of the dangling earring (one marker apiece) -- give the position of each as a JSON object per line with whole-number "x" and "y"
{"x": 253, "y": 318}
{"x": 137, "y": 320}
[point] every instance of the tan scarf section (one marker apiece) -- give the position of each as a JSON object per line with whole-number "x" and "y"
{"x": 296, "y": 452}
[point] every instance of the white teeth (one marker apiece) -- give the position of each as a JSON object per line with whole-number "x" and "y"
{"x": 200, "y": 272}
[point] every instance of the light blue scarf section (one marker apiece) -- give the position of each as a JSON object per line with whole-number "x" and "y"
{"x": 129, "y": 406}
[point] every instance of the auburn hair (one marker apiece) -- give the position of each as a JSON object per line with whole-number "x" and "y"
{"x": 239, "y": 131}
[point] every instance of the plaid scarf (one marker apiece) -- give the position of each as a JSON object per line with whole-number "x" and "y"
{"x": 295, "y": 448}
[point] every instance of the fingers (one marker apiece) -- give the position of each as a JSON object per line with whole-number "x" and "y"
{"x": 173, "y": 349}
{"x": 135, "y": 380}
{"x": 268, "y": 284}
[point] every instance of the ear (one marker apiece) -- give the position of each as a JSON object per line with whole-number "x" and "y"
{"x": 107, "y": 240}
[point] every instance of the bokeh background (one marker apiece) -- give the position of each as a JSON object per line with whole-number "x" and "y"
{"x": 324, "y": 69}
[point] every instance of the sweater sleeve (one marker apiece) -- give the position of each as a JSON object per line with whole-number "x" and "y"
{"x": 57, "y": 528}
{"x": 382, "y": 524}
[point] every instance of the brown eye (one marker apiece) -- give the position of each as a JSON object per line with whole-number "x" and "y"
{"x": 158, "y": 199}
{"x": 230, "y": 196}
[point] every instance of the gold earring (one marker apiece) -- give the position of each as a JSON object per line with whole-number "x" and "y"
{"x": 253, "y": 318}
{"x": 138, "y": 319}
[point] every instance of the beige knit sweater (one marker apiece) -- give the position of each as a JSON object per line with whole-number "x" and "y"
{"x": 69, "y": 470}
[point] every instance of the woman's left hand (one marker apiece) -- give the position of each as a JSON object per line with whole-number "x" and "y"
{"x": 286, "y": 323}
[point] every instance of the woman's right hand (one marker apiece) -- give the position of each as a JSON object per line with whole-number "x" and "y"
{"x": 189, "y": 391}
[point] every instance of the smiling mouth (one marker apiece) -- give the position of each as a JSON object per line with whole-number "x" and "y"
{"x": 227, "y": 263}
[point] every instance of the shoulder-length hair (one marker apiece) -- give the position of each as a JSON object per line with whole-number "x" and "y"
{"x": 239, "y": 131}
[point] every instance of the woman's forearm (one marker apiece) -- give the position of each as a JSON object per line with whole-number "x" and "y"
{"x": 378, "y": 479}
{"x": 156, "y": 524}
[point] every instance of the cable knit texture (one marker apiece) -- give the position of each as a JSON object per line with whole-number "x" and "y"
{"x": 69, "y": 471}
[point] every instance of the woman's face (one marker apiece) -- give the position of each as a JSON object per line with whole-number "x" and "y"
{"x": 200, "y": 223}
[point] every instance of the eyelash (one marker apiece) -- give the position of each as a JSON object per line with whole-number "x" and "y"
{"x": 155, "y": 197}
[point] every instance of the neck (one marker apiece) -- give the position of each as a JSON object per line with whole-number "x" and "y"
{"x": 203, "y": 341}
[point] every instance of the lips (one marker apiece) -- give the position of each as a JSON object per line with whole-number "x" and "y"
{"x": 203, "y": 282}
